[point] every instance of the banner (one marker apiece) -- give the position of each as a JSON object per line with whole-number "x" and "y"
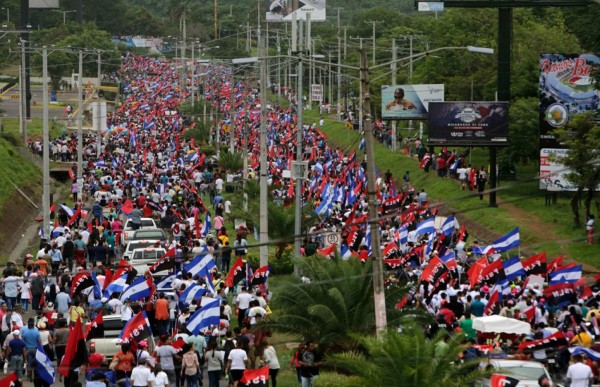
{"x": 468, "y": 123}
{"x": 409, "y": 102}
{"x": 283, "y": 10}
{"x": 554, "y": 341}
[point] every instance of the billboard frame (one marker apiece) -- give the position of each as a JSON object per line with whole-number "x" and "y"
{"x": 415, "y": 102}
{"x": 276, "y": 12}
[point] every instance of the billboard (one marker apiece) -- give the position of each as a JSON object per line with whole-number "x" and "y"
{"x": 316, "y": 92}
{"x": 409, "y": 102}
{"x": 566, "y": 88}
{"x": 552, "y": 172}
{"x": 468, "y": 123}
{"x": 38, "y": 4}
{"x": 282, "y": 10}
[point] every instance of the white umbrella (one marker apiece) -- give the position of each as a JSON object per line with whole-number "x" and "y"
{"x": 499, "y": 324}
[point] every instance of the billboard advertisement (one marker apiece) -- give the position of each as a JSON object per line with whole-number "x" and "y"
{"x": 282, "y": 10}
{"x": 552, "y": 172}
{"x": 566, "y": 88}
{"x": 409, "y": 102}
{"x": 44, "y": 4}
{"x": 468, "y": 123}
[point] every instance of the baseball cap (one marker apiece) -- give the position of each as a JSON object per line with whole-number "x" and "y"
{"x": 16, "y": 332}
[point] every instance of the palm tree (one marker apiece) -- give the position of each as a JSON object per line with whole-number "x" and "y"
{"x": 408, "y": 358}
{"x": 335, "y": 305}
{"x": 231, "y": 161}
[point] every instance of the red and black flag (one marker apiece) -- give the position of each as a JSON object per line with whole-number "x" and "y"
{"x": 556, "y": 262}
{"x": 554, "y": 341}
{"x": 136, "y": 330}
{"x": 493, "y": 273}
{"x": 82, "y": 280}
{"x": 536, "y": 264}
{"x": 236, "y": 273}
{"x": 9, "y": 380}
{"x": 166, "y": 262}
{"x": 256, "y": 378}
{"x": 96, "y": 327}
{"x": 391, "y": 251}
{"x": 75, "y": 352}
{"x": 260, "y": 276}
{"x": 498, "y": 380}
{"x": 125, "y": 267}
{"x": 561, "y": 294}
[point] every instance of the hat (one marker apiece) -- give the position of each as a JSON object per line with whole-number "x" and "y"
{"x": 92, "y": 345}
{"x": 16, "y": 332}
{"x": 42, "y": 325}
{"x": 50, "y": 305}
{"x": 29, "y": 256}
{"x": 68, "y": 236}
{"x": 143, "y": 343}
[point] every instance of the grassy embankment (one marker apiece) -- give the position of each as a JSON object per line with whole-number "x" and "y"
{"x": 543, "y": 228}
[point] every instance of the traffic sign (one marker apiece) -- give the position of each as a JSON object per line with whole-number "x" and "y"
{"x": 299, "y": 170}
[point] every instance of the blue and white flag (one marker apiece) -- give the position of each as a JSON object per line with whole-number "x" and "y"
{"x": 138, "y": 289}
{"x": 68, "y": 210}
{"x": 318, "y": 167}
{"x": 209, "y": 285}
{"x": 206, "y": 225}
{"x": 192, "y": 292}
{"x": 426, "y": 227}
{"x": 403, "y": 233}
{"x": 362, "y": 145}
{"x": 507, "y": 242}
{"x": 594, "y": 355}
{"x": 44, "y": 368}
{"x": 116, "y": 286}
{"x": 100, "y": 164}
{"x": 448, "y": 226}
{"x": 166, "y": 283}
{"x": 569, "y": 274}
{"x": 346, "y": 252}
{"x": 201, "y": 263}
{"x": 483, "y": 250}
{"x": 204, "y": 317}
{"x": 513, "y": 268}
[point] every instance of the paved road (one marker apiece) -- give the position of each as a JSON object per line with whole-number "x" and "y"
{"x": 11, "y": 104}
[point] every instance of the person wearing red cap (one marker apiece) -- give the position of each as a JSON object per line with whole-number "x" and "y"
{"x": 95, "y": 360}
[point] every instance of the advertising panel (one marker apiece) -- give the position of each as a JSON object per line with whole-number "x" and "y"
{"x": 409, "y": 102}
{"x": 282, "y": 10}
{"x": 566, "y": 88}
{"x": 552, "y": 172}
{"x": 43, "y": 4}
{"x": 468, "y": 123}
{"x": 316, "y": 92}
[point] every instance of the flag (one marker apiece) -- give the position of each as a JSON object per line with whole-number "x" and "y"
{"x": 192, "y": 292}
{"x": 362, "y": 145}
{"x": 450, "y": 261}
{"x": 68, "y": 210}
{"x": 96, "y": 328}
{"x": 136, "y": 329}
{"x": 328, "y": 251}
{"x": 498, "y": 380}
{"x": 487, "y": 250}
{"x": 529, "y": 313}
{"x": 74, "y": 217}
{"x": 346, "y": 252}
{"x": 75, "y": 352}
{"x": 260, "y": 276}
{"x": 204, "y": 317}
{"x": 494, "y": 298}
{"x": 556, "y": 262}
{"x": 476, "y": 270}
{"x": 206, "y": 226}
{"x": 560, "y": 294}
{"x": 127, "y": 207}
{"x": 166, "y": 262}
{"x": 116, "y": 286}
{"x": 167, "y": 282}
{"x": 448, "y": 226}
{"x": 202, "y": 263}
{"x": 256, "y": 378}
{"x": 594, "y": 355}
{"x": 513, "y": 268}
{"x": 508, "y": 241}
{"x": 493, "y": 272}
{"x": 426, "y": 226}
{"x": 82, "y": 280}
{"x": 554, "y": 341}
{"x": 140, "y": 288}
{"x": 566, "y": 274}
{"x": 391, "y": 251}
{"x": 9, "y": 380}
{"x": 44, "y": 368}
{"x": 236, "y": 273}
{"x": 434, "y": 269}
{"x": 402, "y": 303}
{"x": 536, "y": 264}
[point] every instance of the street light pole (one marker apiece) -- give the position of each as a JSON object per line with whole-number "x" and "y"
{"x": 378, "y": 289}
{"x": 299, "y": 135}
{"x": 23, "y": 93}
{"x": 46, "y": 148}
{"x": 99, "y": 111}
{"x": 264, "y": 219}
{"x": 80, "y": 128}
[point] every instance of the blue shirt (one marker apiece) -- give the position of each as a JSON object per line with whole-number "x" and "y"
{"x": 16, "y": 347}
{"x": 31, "y": 337}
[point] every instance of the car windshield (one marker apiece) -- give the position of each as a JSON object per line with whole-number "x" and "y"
{"x": 523, "y": 373}
{"x": 148, "y": 234}
{"x": 147, "y": 254}
{"x": 147, "y": 223}
{"x": 139, "y": 245}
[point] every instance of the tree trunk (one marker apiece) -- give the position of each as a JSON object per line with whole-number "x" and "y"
{"x": 575, "y": 207}
{"x": 588, "y": 202}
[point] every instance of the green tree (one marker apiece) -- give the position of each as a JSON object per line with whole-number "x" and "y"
{"x": 581, "y": 136}
{"x": 335, "y": 307}
{"x": 523, "y": 133}
{"x": 231, "y": 161}
{"x": 408, "y": 358}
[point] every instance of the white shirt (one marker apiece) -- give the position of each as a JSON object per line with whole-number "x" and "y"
{"x": 579, "y": 374}
{"x": 159, "y": 380}
{"x": 243, "y": 300}
{"x": 238, "y": 358}
{"x": 140, "y": 376}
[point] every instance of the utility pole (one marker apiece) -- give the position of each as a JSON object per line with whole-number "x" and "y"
{"x": 345, "y": 40}
{"x": 231, "y": 114}
{"x": 264, "y": 217}
{"x": 394, "y": 58}
{"x": 99, "y": 111}
{"x": 299, "y": 135}
{"x": 216, "y": 19}
{"x": 27, "y": 70}
{"x": 23, "y": 93}
{"x": 338, "y": 18}
{"x": 339, "y": 80}
{"x": 311, "y": 65}
{"x": 360, "y": 91}
{"x": 46, "y": 147}
{"x": 278, "y": 67}
{"x": 248, "y": 36}
{"x": 378, "y": 288}
{"x": 374, "y": 24}
{"x": 80, "y": 128}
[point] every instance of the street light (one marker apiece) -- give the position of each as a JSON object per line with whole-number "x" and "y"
{"x": 64, "y": 13}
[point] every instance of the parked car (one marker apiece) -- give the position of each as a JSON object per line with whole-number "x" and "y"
{"x": 139, "y": 244}
{"x": 528, "y": 372}
{"x": 143, "y": 258}
{"x": 128, "y": 231}
{"x": 149, "y": 233}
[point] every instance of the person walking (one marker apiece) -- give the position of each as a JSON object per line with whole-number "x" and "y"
{"x": 590, "y": 227}
{"x": 269, "y": 358}
{"x": 236, "y": 363}
{"x": 190, "y": 367}
{"x": 214, "y": 364}
{"x": 16, "y": 353}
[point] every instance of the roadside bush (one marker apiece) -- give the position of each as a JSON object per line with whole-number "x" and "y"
{"x": 279, "y": 266}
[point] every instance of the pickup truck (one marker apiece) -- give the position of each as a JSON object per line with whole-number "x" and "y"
{"x": 128, "y": 231}
{"x": 142, "y": 259}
